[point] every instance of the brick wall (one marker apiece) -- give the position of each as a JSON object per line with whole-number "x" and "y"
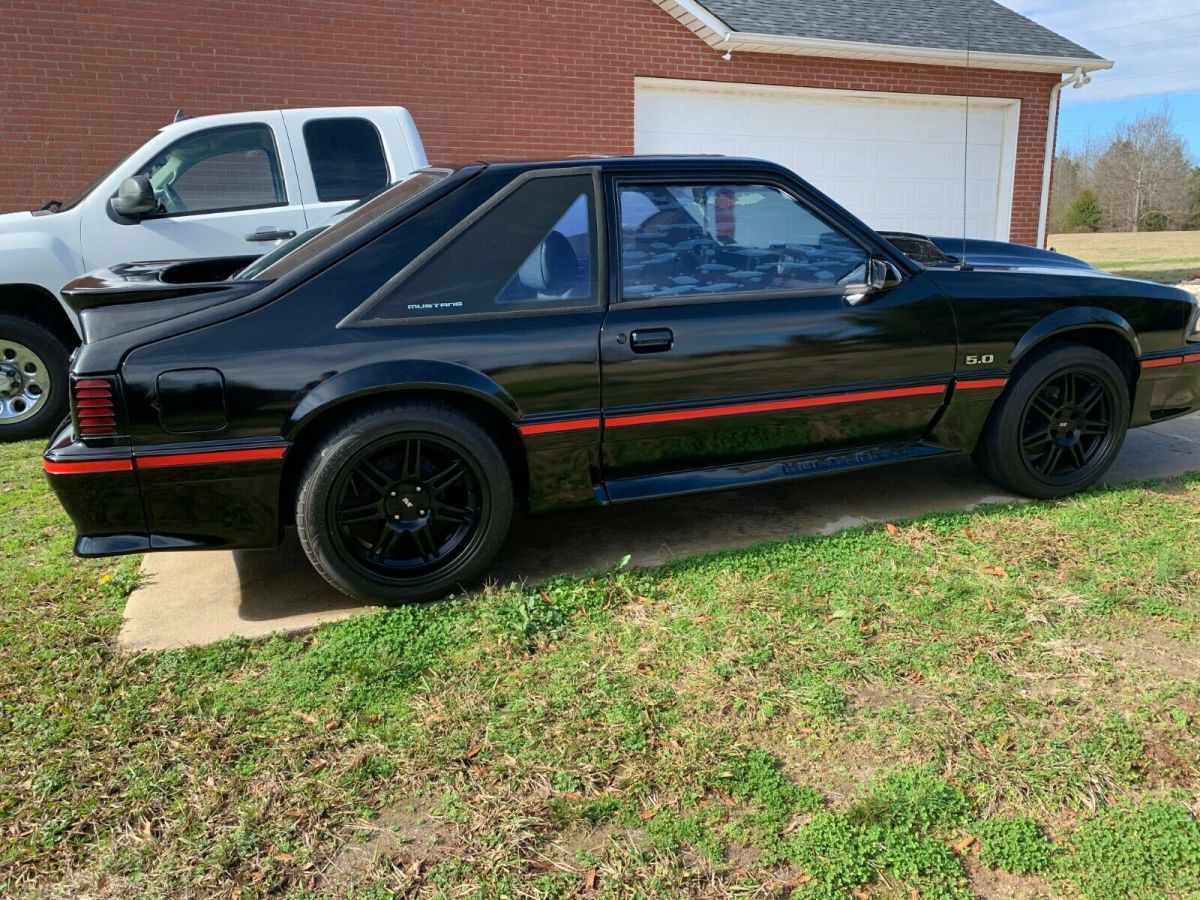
{"x": 82, "y": 84}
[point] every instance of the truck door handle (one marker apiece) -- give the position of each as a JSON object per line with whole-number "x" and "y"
{"x": 270, "y": 233}
{"x": 651, "y": 340}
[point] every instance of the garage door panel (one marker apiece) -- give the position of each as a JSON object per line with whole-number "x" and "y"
{"x": 895, "y": 160}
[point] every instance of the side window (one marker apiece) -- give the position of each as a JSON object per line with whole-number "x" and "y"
{"x": 679, "y": 240}
{"x": 235, "y": 167}
{"x": 346, "y": 156}
{"x": 533, "y": 250}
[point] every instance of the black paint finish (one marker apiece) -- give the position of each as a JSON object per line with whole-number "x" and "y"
{"x": 225, "y": 385}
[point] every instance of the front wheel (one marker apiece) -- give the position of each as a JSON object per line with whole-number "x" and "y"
{"x": 33, "y": 379}
{"x": 404, "y": 502}
{"x": 1059, "y": 426}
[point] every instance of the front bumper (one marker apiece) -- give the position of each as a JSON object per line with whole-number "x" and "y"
{"x": 1168, "y": 386}
{"x": 174, "y": 497}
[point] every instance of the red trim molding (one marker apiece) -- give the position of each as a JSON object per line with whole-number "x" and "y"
{"x": 86, "y": 466}
{"x": 980, "y": 383}
{"x": 209, "y": 457}
{"x": 555, "y": 427}
{"x": 738, "y": 409}
{"x": 161, "y": 461}
{"x": 1161, "y": 362}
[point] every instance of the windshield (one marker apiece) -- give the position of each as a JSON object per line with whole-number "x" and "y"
{"x": 300, "y": 249}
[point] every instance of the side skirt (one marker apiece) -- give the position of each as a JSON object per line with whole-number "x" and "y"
{"x": 695, "y": 481}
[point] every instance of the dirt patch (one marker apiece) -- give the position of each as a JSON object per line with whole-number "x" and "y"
{"x": 881, "y": 695}
{"x": 407, "y": 838}
{"x": 992, "y": 884}
{"x": 1156, "y": 650}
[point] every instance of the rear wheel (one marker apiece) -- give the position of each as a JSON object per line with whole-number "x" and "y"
{"x": 33, "y": 379}
{"x": 406, "y": 502}
{"x": 1058, "y": 427}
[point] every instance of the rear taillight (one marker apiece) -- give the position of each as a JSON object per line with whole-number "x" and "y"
{"x": 94, "y": 407}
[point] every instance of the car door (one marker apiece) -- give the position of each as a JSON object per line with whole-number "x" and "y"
{"x": 229, "y": 190}
{"x": 740, "y": 331}
{"x": 344, "y": 155}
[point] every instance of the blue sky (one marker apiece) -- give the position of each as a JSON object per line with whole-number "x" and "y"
{"x": 1156, "y": 47}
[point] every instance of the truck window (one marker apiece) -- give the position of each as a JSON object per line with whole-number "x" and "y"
{"x": 227, "y": 168}
{"x": 346, "y": 156}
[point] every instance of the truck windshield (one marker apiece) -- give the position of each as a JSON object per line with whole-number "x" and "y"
{"x": 303, "y": 247}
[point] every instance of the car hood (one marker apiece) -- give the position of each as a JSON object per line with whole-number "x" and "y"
{"x": 1002, "y": 255}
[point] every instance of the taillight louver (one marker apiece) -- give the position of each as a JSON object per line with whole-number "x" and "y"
{"x": 95, "y": 410}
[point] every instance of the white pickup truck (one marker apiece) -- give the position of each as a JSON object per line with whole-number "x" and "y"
{"x": 224, "y": 185}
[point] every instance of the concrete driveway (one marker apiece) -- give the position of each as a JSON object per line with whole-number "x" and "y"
{"x": 198, "y": 598}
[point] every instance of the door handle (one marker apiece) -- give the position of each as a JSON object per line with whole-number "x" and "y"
{"x": 270, "y": 233}
{"x": 651, "y": 340}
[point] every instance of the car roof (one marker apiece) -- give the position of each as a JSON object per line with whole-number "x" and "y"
{"x": 640, "y": 163}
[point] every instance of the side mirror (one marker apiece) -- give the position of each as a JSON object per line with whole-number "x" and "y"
{"x": 134, "y": 198}
{"x": 882, "y": 275}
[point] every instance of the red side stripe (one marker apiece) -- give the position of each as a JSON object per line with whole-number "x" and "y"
{"x": 980, "y": 383}
{"x": 771, "y": 406}
{"x": 1164, "y": 361}
{"x": 86, "y": 466}
{"x": 554, "y": 427}
{"x": 209, "y": 457}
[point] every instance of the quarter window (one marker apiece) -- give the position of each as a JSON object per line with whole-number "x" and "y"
{"x": 235, "y": 167}
{"x": 533, "y": 250}
{"x": 346, "y": 156}
{"x": 684, "y": 240}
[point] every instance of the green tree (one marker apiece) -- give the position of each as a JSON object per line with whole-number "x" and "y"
{"x": 1085, "y": 213}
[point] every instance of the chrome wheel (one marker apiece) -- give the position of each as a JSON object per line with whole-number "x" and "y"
{"x": 24, "y": 382}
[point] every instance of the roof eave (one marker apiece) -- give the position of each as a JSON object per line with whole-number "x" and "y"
{"x": 718, "y": 35}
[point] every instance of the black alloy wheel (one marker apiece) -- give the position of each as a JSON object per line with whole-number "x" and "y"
{"x": 1067, "y": 424}
{"x": 1059, "y": 423}
{"x": 407, "y": 506}
{"x": 405, "y": 501}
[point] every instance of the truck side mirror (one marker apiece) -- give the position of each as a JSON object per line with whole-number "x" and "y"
{"x": 135, "y": 197}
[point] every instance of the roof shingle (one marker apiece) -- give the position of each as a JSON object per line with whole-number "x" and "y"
{"x": 940, "y": 24}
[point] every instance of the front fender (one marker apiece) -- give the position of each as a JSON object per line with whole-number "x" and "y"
{"x": 406, "y": 374}
{"x": 1074, "y": 318}
{"x": 44, "y": 260}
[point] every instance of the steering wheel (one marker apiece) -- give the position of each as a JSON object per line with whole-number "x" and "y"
{"x": 170, "y": 201}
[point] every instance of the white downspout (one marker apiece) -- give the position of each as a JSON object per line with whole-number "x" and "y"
{"x": 1048, "y": 163}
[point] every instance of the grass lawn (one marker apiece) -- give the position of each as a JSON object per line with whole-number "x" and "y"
{"x": 1164, "y": 256}
{"x": 1003, "y": 703}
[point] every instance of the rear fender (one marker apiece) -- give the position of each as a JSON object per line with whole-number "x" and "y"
{"x": 401, "y": 375}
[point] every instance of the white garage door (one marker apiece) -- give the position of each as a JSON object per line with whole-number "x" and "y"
{"x": 894, "y": 160}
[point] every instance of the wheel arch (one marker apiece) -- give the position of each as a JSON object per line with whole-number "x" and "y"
{"x": 352, "y": 391}
{"x": 35, "y": 303}
{"x": 1101, "y": 329}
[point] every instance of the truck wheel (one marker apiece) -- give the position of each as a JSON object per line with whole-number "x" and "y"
{"x": 33, "y": 379}
{"x": 1058, "y": 426}
{"x": 404, "y": 502}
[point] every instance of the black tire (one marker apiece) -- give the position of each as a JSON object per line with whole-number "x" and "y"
{"x": 367, "y": 516}
{"x": 1058, "y": 426}
{"x": 31, "y": 359}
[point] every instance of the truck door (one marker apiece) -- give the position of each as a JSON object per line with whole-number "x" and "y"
{"x": 345, "y": 154}
{"x": 226, "y": 190}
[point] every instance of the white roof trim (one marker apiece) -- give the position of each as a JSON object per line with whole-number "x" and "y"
{"x": 718, "y": 35}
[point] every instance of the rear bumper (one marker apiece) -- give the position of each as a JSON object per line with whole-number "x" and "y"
{"x": 1168, "y": 386}
{"x": 180, "y": 497}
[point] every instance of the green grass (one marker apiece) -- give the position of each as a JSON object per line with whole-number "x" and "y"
{"x": 1011, "y": 693}
{"x": 1167, "y": 257}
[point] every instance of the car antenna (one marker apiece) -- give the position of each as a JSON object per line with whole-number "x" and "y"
{"x": 180, "y": 115}
{"x": 966, "y": 149}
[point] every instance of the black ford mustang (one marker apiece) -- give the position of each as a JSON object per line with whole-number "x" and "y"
{"x": 582, "y": 332}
